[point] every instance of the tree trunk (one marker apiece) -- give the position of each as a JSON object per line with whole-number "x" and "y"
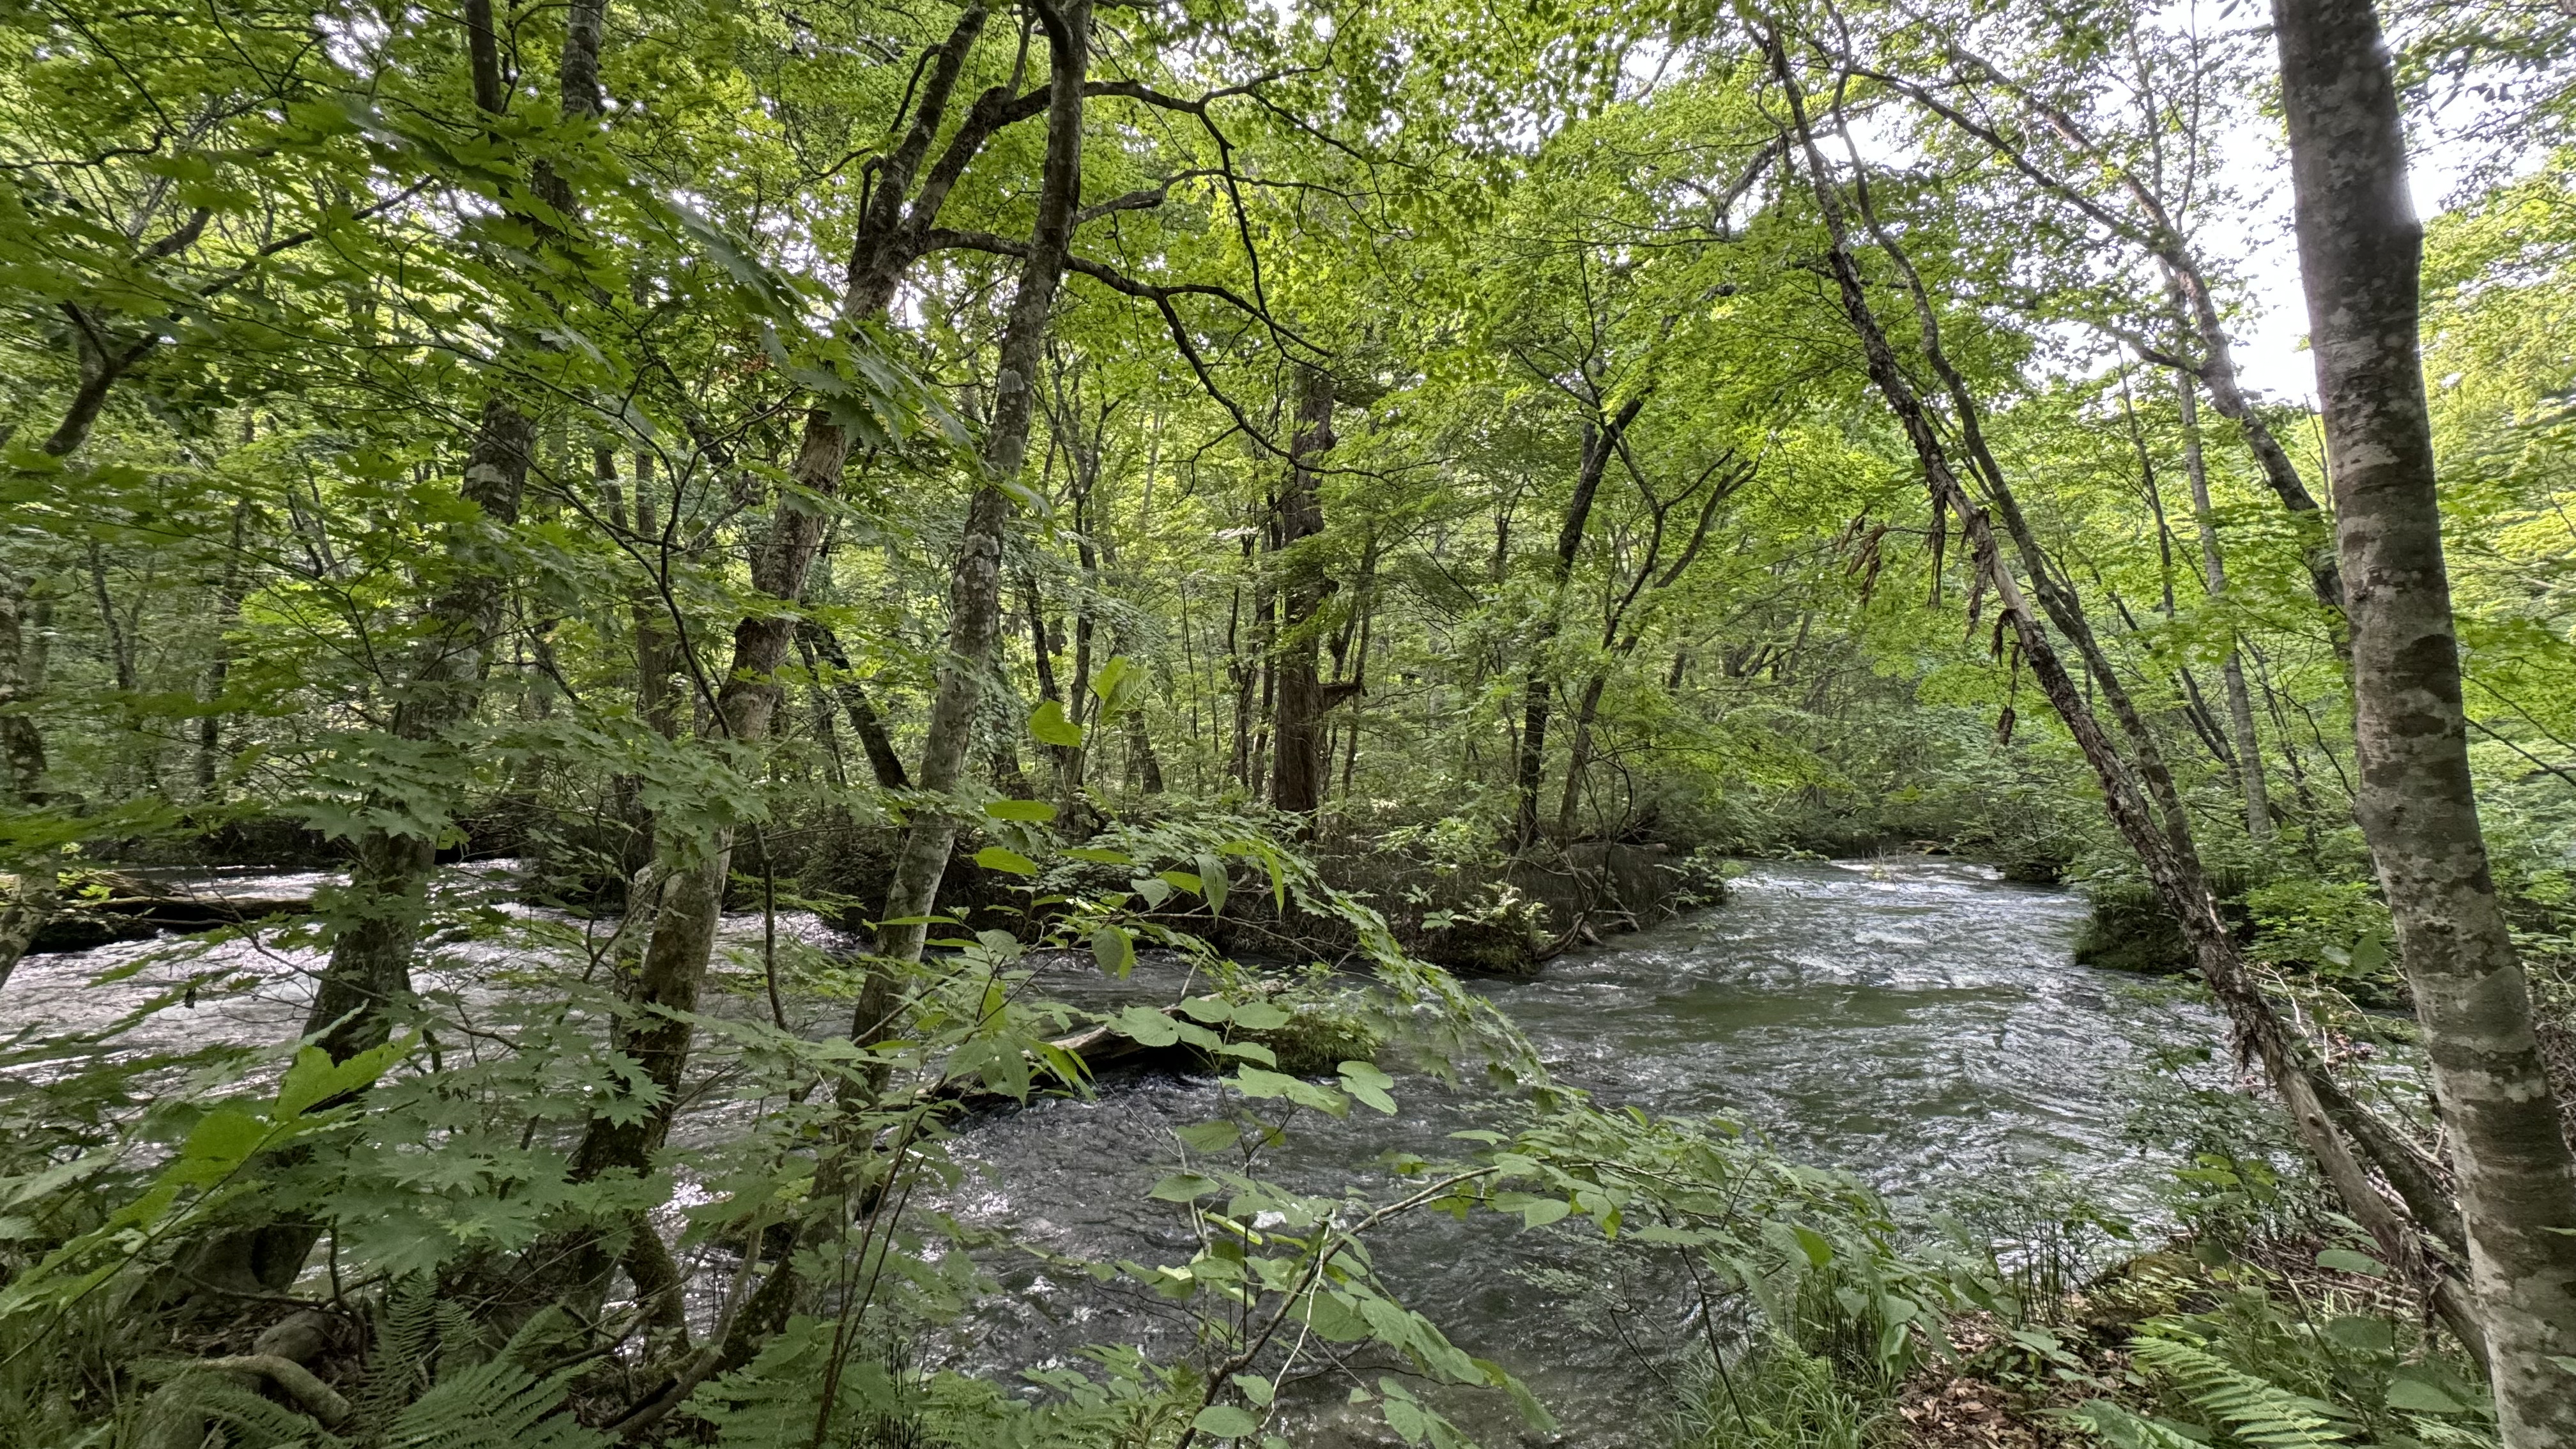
{"x": 2319, "y": 1110}
{"x": 2360, "y": 250}
{"x": 1579, "y": 755}
{"x": 436, "y": 691}
{"x": 228, "y": 603}
{"x": 1600, "y": 440}
{"x": 974, "y": 614}
{"x": 883, "y": 762}
{"x": 1297, "y": 766}
{"x": 2240, "y": 702}
{"x": 33, "y": 887}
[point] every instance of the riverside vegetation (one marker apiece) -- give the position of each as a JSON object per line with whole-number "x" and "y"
{"x": 1300, "y": 497}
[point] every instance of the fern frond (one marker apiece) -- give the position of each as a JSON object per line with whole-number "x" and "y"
{"x": 405, "y": 1348}
{"x": 492, "y": 1405}
{"x": 2121, "y": 1429}
{"x": 250, "y": 1421}
{"x": 2256, "y": 1412}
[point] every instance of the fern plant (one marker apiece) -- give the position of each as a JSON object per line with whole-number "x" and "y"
{"x": 426, "y": 1387}
{"x": 2253, "y": 1411}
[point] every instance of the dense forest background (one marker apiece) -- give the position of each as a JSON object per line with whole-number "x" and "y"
{"x": 1263, "y": 484}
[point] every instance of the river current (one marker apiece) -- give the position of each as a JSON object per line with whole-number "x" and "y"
{"x": 1916, "y": 1022}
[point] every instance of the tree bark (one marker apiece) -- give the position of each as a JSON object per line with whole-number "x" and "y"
{"x": 2360, "y": 253}
{"x": 883, "y": 762}
{"x": 1600, "y": 438}
{"x": 974, "y": 614}
{"x": 228, "y": 604}
{"x": 2240, "y": 702}
{"x": 33, "y": 889}
{"x": 1297, "y": 766}
{"x": 435, "y": 692}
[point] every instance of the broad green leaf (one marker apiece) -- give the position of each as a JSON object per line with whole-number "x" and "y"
{"x": 994, "y": 857}
{"x": 1033, "y": 811}
{"x": 1114, "y": 950}
{"x": 1147, "y": 1027}
{"x": 1184, "y": 1187}
{"x": 2345, "y": 1260}
{"x": 2415, "y": 1396}
{"x": 1048, "y": 724}
{"x": 1225, "y": 1421}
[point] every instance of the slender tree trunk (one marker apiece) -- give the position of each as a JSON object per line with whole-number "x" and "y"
{"x": 33, "y": 891}
{"x": 2360, "y": 251}
{"x": 691, "y": 874}
{"x": 1538, "y": 687}
{"x": 975, "y": 587}
{"x": 1297, "y": 773}
{"x": 1579, "y": 755}
{"x": 883, "y": 762}
{"x": 228, "y": 603}
{"x": 2240, "y": 702}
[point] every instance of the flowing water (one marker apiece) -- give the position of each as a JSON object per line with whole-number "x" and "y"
{"x": 1916, "y": 1022}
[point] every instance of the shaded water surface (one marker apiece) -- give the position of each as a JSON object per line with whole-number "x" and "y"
{"x": 1916, "y": 1022}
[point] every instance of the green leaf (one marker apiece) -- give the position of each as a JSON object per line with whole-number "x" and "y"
{"x": 2414, "y": 1396}
{"x": 1536, "y": 1210}
{"x": 1183, "y": 1187}
{"x": 1114, "y": 950}
{"x": 994, "y": 857}
{"x": 1098, "y": 856}
{"x": 1048, "y": 724}
{"x": 1213, "y": 880}
{"x": 1225, "y": 1421}
{"x": 1146, "y": 1027}
{"x": 1818, "y": 1248}
{"x": 2363, "y": 1335}
{"x": 1114, "y": 682}
{"x": 1260, "y": 1016}
{"x": 1369, "y": 1085}
{"x": 1255, "y": 1388}
{"x": 2345, "y": 1260}
{"x": 1209, "y": 1136}
{"x": 1034, "y": 811}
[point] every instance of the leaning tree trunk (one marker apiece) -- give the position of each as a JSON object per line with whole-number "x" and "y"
{"x": 1297, "y": 767}
{"x": 2360, "y": 251}
{"x": 2213, "y": 562}
{"x": 2323, "y": 1115}
{"x": 1600, "y": 440}
{"x": 975, "y": 587}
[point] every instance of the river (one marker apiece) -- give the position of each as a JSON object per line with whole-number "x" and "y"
{"x": 1917, "y": 1022}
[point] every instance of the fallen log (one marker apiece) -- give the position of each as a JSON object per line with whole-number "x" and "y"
{"x": 100, "y": 906}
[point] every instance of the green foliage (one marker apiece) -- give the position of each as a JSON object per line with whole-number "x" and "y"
{"x": 1778, "y": 1397}
{"x": 267, "y": 275}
